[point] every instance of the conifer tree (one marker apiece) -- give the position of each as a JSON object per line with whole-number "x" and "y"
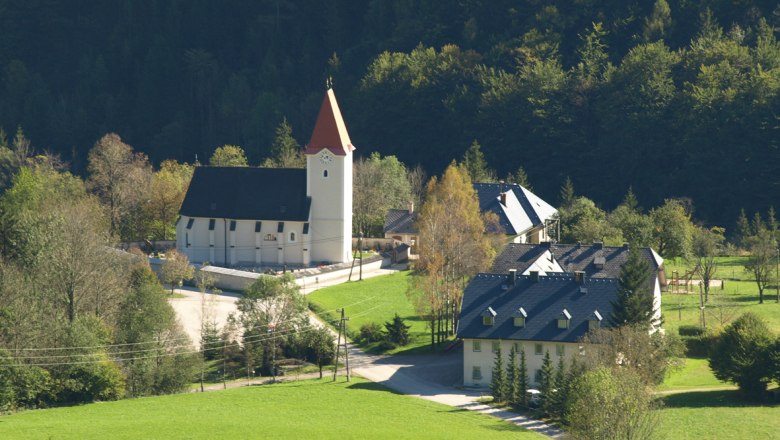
{"x": 557, "y": 401}
{"x": 634, "y": 305}
{"x": 476, "y": 165}
{"x": 498, "y": 384}
{"x": 523, "y": 380}
{"x": 742, "y": 229}
{"x": 567, "y": 193}
{"x": 546, "y": 383}
{"x": 513, "y": 377}
{"x": 397, "y": 331}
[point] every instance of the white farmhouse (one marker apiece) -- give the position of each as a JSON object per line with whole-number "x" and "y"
{"x": 245, "y": 216}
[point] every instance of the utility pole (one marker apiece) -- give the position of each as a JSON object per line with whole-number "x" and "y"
{"x": 360, "y": 249}
{"x": 342, "y": 330}
{"x": 272, "y": 329}
{"x": 777, "y": 282}
{"x": 224, "y": 364}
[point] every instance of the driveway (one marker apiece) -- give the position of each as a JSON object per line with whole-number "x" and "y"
{"x": 436, "y": 377}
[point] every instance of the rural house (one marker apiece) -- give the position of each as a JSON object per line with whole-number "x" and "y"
{"x": 246, "y": 216}
{"x": 596, "y": 261}
{"x": 521, "y": 215}
{"x": 536, "y": 313}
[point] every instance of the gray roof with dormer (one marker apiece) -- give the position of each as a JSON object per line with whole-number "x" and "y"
{"x": 595, "y": 260}
{"x": 543, "y": 301}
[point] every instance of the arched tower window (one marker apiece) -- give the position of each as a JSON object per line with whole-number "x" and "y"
{"x": 292, "y": 236}
{"x": 325, "y": 173}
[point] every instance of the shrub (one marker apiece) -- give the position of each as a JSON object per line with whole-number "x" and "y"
{"x": 690, "y": 330}
{"x": 742, "y": 355}
{"x": 371, "y": 332}
{"x": 611, "y": 403}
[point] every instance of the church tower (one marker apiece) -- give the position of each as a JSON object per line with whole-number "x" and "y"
{"x": 329, "y": 185}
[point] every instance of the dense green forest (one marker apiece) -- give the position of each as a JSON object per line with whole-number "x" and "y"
{"x": 675, "y": 98}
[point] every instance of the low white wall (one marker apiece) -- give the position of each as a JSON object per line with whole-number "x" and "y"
{"x": 238, "y": 280}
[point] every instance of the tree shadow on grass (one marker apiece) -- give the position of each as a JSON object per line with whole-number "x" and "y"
{"x": 712, "y": 399}
{"x": 372, "y": 386}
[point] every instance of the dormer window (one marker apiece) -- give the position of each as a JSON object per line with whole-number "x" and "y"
{"x": 519, "y": 317}
{"x": 594, "y": 321}
{"x": 563, "y": 319}
{"x": 489, "y": 316}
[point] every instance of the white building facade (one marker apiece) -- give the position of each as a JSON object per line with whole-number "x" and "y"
{"x": 256, "y": 217}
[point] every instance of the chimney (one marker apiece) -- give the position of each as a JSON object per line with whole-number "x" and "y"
{"x": 502, "y": 198}
{"x": 410, "y": 205}
{"x": 598, "y": 245}
{"x": 512, "y": 277}
{"x": 579, "y": 277}
{"x": 534, "y": 274}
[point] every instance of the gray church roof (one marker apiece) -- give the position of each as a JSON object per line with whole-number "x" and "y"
{"x": 595, "y": 260}
{"x": 542, "y": 302}
{"x": 400, "y": 221}
{"x": 248, "y": 193}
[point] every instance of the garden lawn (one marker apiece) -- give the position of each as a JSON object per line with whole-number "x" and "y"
{"x": 717, "y": 415}
{"x": 318, "y": 409}
{"x": 740, "y": 295}
{"x": 377, "y": 300}
{"x": 695, "y": 373}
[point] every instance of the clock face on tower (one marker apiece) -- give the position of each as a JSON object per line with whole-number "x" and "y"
{"x": 326, "y": 157}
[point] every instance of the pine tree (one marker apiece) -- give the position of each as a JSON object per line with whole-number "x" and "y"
{"x": 557, "y": 400}
{"x": 630, "y": 201}
{"x": 523, "y": 380}
{"x": 286, "y": 152}
{"x": 498, "y": 384}
{"x": 513, "y": 377}
{"x": 567, "y": 193}
{"x": 742, "y": 229}
{"x": 520, "y": 178}
{"x": 546, "y": 383}
{"x": 476, "y": 165}
{"x": 397, "y": 331}
{"x": 634, "y": 303}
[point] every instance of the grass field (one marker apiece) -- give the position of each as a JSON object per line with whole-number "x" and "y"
{"x": 375, "y": 300}
{"x": 717, "y": 415}
{"x": 317, "y": 409}
{"x": 739, "y": 295}
{"x": 695, "y": 373}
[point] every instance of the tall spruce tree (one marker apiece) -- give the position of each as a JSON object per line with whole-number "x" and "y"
{"x": 546, "y": 383}
{"x": 513, "y": 377}
{"x": 634, "y": 305}
{"x": 498, "y": 384}
{"x": 557, "y": 401}
{"x": 523, "y": 380}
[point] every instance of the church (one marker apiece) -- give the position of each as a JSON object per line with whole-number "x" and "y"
{"x": 266, "y": 217}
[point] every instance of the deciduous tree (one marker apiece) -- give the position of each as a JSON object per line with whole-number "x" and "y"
{"x": 121, "y": 178}
{"x": 176, "y": 268}
{"x": 228, "y": 156}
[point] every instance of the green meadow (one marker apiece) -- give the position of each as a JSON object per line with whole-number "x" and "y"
{"x": 318, "y": 409}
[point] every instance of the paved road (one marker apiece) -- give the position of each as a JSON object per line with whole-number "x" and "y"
{"x": 434, "y": 377}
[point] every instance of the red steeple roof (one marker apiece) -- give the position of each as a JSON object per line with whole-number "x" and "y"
{"x": 330, "y": 131}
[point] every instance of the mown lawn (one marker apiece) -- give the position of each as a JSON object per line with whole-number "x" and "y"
{"x": 695, "y": 373}
{"x": 739, "y": 295}
{"x": 377, "y": 300}
{"x": 717, "y": 415}
{"x": 317, "y": 409}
